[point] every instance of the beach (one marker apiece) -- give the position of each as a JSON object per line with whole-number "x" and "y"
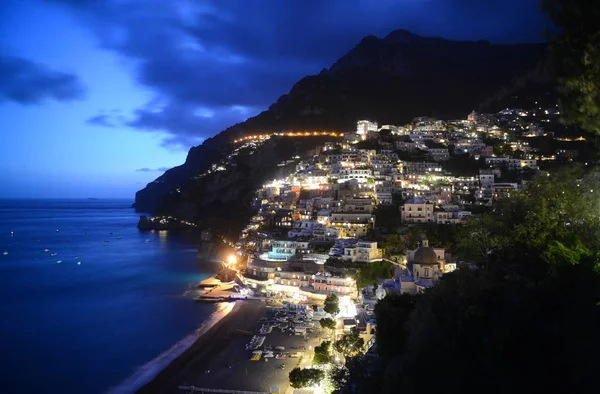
{"x": 225, "y": 356}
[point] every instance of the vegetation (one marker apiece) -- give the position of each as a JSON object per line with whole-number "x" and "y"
{"x": 322, "y": 353}
{"x": 576, "y": 51}
{"x": 349, "y": 345}
{"x": 527, "y": 308}
{"x": 332, "y": 304}
{"x": 369, "y": 273}
{"x": 307, "y": 377}
{"x": 392, "y": 313}
{"x": 327, "y": 323}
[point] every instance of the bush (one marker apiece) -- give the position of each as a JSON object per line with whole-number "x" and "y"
{"x": 300, "y": 378}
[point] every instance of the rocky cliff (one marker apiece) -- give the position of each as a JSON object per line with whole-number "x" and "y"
{"x": 391, "y": 80}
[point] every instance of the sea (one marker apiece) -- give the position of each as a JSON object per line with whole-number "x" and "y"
{"x": 88, "y": 303}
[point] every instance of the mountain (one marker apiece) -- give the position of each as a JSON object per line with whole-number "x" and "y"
{"x": 390, "y": 80}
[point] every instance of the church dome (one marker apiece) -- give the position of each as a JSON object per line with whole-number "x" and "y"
{"x": 425, "y": 255}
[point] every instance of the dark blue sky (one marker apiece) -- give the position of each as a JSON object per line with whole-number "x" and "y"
{"x": 98, "y": 96}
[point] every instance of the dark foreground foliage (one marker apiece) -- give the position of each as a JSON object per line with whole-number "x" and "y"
{"x": 522, "y": 317}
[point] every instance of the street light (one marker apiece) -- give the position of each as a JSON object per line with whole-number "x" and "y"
{"x": 231, "y": 259}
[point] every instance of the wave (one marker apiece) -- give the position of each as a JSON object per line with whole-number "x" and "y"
{"x": 150, "y": 370}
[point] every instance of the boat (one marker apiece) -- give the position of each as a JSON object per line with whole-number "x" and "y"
{"x": 5, "y": 253}
{"x": 53, "y": 254}
{"x": 46, "y": 250}
{"x": 255, "y": 342}
{"x": 59, "y": 261}
{"x": 265, "y": 329}
{"x": 146, "y": 241}
{"x": 257, "y": 352}
{"x": 201, "y": 298}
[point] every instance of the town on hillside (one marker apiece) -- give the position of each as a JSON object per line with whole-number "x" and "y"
{"x": 316, "y": 228}
{"x": 363, "y": 217}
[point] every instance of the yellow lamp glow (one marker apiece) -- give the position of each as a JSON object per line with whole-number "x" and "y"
{"x": 232, "y": 259}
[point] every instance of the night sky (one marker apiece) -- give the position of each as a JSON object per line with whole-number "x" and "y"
{"x": 97, "y": 97}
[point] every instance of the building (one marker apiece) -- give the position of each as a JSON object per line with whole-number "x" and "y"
{"x": 472, "y": 117}
{"x": 327, "y": 283}
{"x": 503, "y": 190}
{"x": 352, "y": 224}
{"x": 360, "y": 174}
{"x": 363, "y": 127}
{"x": 425, "y": 266}
{"x": 363, "y": 252}
{"x": 302, "y": 228}
{"x": 325, "y": 235}
{"x": 486, "y": 178}
{"x": 284, "y": 249}
{"x": 450, "y": 217}
{"x": 438, "y": 154}
{"x": 416, "y": 210}
{"x": 416, "y": 167}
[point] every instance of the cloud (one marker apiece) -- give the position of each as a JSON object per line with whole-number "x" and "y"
{"x": 26, "y": 82}
{"x": 107, "y": 118}
{"x": 146, "y": 169}
{"x": 219, "y": 55}
{"x": 103, "y": 120}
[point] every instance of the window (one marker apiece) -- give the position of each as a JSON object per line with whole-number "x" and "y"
{"x": 426, "y": 272}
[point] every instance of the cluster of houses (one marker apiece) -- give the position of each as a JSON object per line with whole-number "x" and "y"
{"x": 324, "y": 209}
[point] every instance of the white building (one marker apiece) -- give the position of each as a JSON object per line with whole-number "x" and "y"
{"x": 360, "y": 174}
{"x": 363, "y": 127}
{"x": 438, "y": 154}
{"x": 325, "y": 234}
{"x": 450, "y": 217}
{"x": 302, "y": 228}
{"x": 416, "y": 210}
{"x": 363, "y": 252}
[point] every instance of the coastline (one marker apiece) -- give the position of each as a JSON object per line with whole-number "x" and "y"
{"x": 210, "y": 351}
{"x": 149, "y": 371}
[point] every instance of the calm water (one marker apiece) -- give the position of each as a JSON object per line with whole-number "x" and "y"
{"x": 84, "y": 328}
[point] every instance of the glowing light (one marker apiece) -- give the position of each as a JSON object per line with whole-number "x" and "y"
{"x": 231, "y": 259}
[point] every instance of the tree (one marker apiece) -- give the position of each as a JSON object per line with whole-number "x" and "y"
{"x": 322, "y": 353}
{"x": 358, "y": 375}
{"x": 576, "y": 56}
{"x": 307, "y": 377}
{"x": 392, "y": 314}
{"x": 349, "y": 345}
{"x": 368, "y": 274}
{"x": 332, "y": 304}
{"x": 327, "y": 323}
{"x": 538, "y": 288}
{"x": 393, "y": 244}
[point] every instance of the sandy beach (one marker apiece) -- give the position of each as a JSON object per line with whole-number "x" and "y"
{"x": 217, "y": 348}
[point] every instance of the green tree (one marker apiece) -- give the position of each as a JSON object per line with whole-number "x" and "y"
{"x": 368, "y": 274}
{"x": 300, "y": 378}
{"x": 327, "y": 323}
{"x": 349, "y": 345}
{"x": 332, "y": 304}
{"x": 393, "y": 244}
{"x": 576, "y": 55}
{"x": 322, "y": 353}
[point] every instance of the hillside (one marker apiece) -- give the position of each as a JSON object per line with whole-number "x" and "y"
{"x": 390, "y": 80}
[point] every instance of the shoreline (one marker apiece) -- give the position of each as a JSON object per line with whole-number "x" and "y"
{"x": 150, "y": 370}
{"x": 188, "y": 368}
